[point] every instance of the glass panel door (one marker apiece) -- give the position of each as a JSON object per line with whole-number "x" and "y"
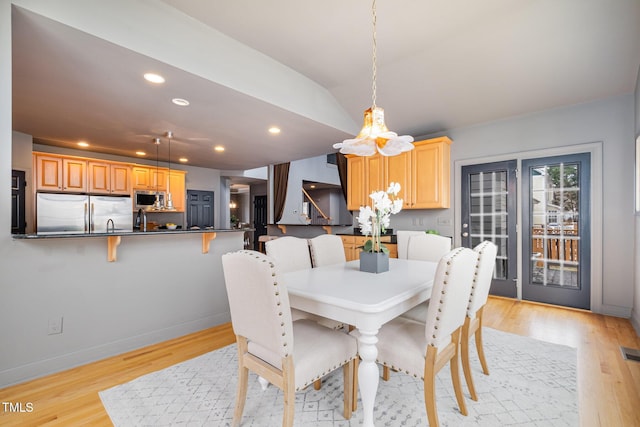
{"x": 489, "y": 213}
{"x": 556, "y": 230}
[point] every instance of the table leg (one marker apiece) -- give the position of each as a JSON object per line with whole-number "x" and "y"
{"x": 368, "y": 373}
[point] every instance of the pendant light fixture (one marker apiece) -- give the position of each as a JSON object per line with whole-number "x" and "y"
{"x": 169, "y": 202}
{"x": 374, "y": 135}
{"x": 157, "y": 204}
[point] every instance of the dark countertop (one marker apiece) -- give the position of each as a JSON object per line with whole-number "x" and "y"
{"x": 393, "y": 236}
{"x": 129, "y": 233}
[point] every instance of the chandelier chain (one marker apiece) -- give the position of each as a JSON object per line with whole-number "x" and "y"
{"x": 375, "y": 48}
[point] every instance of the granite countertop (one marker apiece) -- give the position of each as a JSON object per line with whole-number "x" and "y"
{"x": 129, "y": 233}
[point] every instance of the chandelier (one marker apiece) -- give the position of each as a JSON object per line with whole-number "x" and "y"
{"x": 374, "y": 135}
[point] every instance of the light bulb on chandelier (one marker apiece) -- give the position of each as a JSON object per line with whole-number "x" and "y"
{"x": 374, "y": 135}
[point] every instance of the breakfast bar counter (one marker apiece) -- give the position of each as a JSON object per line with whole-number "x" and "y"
{"x": 114, "y": 238}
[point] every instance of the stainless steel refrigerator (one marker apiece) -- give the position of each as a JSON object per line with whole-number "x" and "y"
{"x": 78, "y": 214}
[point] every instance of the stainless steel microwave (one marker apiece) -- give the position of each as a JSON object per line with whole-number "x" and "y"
{"x": 145, "y": 199}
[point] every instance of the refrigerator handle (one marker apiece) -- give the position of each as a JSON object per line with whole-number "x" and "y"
{"x": 86, "y": 228}
{"x": 91, "y": 219}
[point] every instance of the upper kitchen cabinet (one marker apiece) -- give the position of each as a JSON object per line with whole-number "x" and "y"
{"x": 109, "y": 178}
{"x": 423, "y": 174}
{"x": 430, "y": 174}
{"x": 149, "y": 178}
{"x": 364, "y": 175}
{"x": 60, "y": 173}
{"x": 177, "y": 187}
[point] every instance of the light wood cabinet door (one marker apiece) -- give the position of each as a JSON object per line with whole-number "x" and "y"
{"x": 74, "y": 175}
{"x": 120, "y": 179}
{"x": 430, "y": 174}
{"x": 177, "y": 187}
{"x": 149, "y": 178}
{"x": 109, "y": 178}
{"x": 398, "y": 169}
{"x": 59, "y": 173}
{"x": 364, "y": 175}
{"x": 140, "y": 178}
{"x": 158, "y": 179}
{"x": 356, "y": 190}
{"x": 48, "y": 173}
{"x": 99, "y": 177}
{"x": 375, "y": 181}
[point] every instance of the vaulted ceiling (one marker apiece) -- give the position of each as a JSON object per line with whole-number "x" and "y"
{"x": 305, "y": 67}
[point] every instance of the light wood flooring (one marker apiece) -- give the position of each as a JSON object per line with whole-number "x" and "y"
{"x": 609, "y": 386}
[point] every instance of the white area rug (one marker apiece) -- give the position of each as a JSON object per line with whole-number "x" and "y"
{"x": 531, "y": 383}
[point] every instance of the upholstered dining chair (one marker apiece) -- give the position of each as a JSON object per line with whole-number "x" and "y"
{"x": 487, "y": 252}
{"x": 402, "y": 240}
{"x": 290, "y": 355}
{"x": 291, "y": 253}
{"x": 425, "y": 247}
{"x": 327, "y": 249}
{"x": 422, "y": 349}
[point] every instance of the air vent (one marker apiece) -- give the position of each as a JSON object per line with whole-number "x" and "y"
{"x": 630, "y": 354}
{"x": 331, "y": 159}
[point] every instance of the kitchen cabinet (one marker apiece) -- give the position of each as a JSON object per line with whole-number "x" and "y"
{"x": 364, "y": 176}
{"x": 60, "y": 173}
{"x": 149, "y": 178}
{"x": 109, "y": 178}
{"x": 352, "y": 246}
{"x": 177, "y": 186}
{"x": 430, "y": 174}
{"x": 423, "y": 174}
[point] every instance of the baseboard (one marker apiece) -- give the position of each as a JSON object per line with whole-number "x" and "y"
{"x": 616, "y": 311}
{"x": 63, "y": 362}
{"x": 635, "y": 322}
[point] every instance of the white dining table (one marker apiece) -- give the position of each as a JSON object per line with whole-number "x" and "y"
{"x": 365, "y": 300}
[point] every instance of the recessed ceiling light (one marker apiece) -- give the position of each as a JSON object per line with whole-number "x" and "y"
{"x": 274, "y": 130}
{"x": 141, "y": 153}
{"x": 219, "y": 148}
{"x": 181, "y": 102}
{"x": 183, "y": 160}
{"x": 154, "y": 78}
{"x": 83, "y": 144}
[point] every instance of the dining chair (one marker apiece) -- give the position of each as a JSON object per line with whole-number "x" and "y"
{"x": 402, "y": 240}
{"x": 487, "y": 252}
{"x": 425, "y": 247}
{"x": 291, "y": 253}
{"x": 291, "y": 355}
{"x": 327, "y": 249}
{"x": 422, "y": 349}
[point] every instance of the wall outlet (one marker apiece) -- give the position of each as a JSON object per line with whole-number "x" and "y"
{"x": 54, "y": 326}
{"x": 444, "y": 221}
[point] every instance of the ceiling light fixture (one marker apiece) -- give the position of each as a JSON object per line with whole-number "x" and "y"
{"x": 374, "y": 135}
{"x": 140, "y": 153}
{"x": 219, "y": 148}
{"x": 274, "y": 130}
{"x": 169, "y": 202}
{"x": 83, "y": 144}
{"x": 157, "y": 204}
{"x": 183, "y": 160}
{"x": 154, "y": 78}
{"x": 180, "y": 102}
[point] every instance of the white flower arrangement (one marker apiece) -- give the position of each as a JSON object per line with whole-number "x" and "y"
{"x": 375, "y": 220}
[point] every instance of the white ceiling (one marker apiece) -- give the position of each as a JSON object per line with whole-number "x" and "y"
{"x": 442, "y": 64}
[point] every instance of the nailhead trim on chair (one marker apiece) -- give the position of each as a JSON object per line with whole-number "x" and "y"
{"x": 259, "y": 255}
{"x": 311, "y": 381}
